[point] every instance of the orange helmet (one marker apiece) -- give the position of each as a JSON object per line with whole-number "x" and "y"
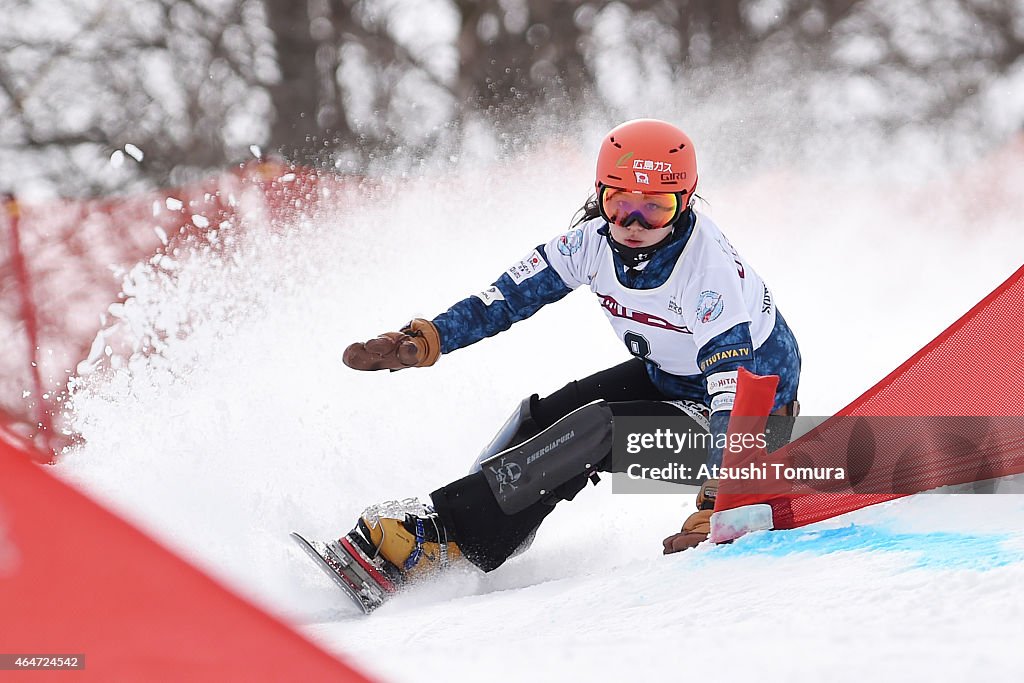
{"x": 648, "y": 155}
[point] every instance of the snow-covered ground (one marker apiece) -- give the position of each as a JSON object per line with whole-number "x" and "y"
{"x": 248, "y": 427}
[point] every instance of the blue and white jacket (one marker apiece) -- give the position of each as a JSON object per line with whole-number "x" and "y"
{"x": 696, "y": 312}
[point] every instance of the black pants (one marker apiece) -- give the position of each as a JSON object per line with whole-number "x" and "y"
{"x": 484, "y": 533}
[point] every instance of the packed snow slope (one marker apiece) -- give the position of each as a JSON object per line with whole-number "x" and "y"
{"x": 243, "y": 425}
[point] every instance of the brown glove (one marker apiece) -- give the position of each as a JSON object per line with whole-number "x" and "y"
{"x": 698, "y": 525}
{"x": 418, "y": 345}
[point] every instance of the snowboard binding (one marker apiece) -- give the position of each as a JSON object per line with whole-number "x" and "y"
{"x": 392, "y": 544}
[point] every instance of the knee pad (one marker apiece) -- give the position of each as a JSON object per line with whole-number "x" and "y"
{"x": 555, "y": 462}
{"x": 519, "y": 427}
{"x": 523, "y": 475}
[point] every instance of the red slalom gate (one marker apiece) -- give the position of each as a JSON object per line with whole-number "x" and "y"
{"x": 951, "y": 414}
{"x": 78, "y": 582}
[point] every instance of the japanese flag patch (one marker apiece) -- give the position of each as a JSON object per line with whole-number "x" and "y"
{"x": 527, "y": 268}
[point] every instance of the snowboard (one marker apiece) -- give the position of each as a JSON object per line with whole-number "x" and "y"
{"x": 350, "y": 569}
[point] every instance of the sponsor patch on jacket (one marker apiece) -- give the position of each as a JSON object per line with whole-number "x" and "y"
{"x": 490, "y": 295}
{"x": 723, "y": 401}
{"x": 570, "y": 242}
{"x": 527, "y": 268}
{"x": 736, "y": 353}
{"x": 614, "y": 308}
{"x": 721, "y": 381}
{"x": 709, "y": 306}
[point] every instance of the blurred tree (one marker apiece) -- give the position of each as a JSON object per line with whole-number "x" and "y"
{"x": 516, "y": 55}
{"x": 406, "y": 74}
{"x": 305, "y": 95}
{"x": 931, "y": 61}
{"x": 98, "y": 97}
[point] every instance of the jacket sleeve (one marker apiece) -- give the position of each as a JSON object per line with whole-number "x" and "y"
{"x": 521, "y": 291}
{"x": 719, "y": 360}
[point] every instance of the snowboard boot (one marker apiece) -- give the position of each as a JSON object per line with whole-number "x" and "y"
{"x": 398, "y": 542}
{"x": 409, "y": 536}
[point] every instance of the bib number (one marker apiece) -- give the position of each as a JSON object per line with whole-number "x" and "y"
{"x": 638, "y": 346}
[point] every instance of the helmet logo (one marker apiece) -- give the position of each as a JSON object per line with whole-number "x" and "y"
{"x": 623, "y": 161}
{"x": 648, "y": 165}
{"x": 642, "y": 178}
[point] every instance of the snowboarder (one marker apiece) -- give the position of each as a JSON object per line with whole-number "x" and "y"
{"x": 689, "y": 309}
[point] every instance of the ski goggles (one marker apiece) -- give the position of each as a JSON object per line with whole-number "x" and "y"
{"x": 652, "y": 211}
